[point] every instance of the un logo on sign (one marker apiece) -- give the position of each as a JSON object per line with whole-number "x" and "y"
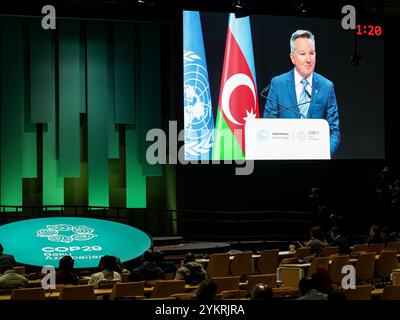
{"x": 262, "y": 135}
{"x": 198, "y": 117}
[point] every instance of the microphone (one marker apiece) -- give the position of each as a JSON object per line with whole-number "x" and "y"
{"x": 263, "y": 94}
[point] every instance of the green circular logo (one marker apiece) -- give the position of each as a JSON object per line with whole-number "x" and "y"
{"x": 45, "y": 241}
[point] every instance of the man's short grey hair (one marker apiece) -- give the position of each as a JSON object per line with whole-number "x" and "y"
{"x": 300, "y": 34}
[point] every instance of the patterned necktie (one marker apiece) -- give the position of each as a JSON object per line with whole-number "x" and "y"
{"x": 303, "y": 98}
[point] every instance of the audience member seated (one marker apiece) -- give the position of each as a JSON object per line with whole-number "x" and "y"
{"x": 374, "y": 235}
{"x": 206, "y": 291}
{"x": 10, "y": 279}
{"x": 387, "y": 236}
{"x": 317, "y": 241}
{"x": 148, "y": 270}
{"x": 166, "y": 266}
{"x": 6, "y": 259}
{"x": 192, "y": 272}
{"x": 261, "y": 292}
{"x": 108, "y": 266}
{"x": 308, "y": 290}
{"x": 339, "y": 241}
{"x": 65, "y": 273}
{"x": 120, "y": 266}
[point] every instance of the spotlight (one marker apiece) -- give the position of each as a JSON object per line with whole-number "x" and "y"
{"x": 240, "y": 8}
{"x": 238, "y": 5}
{"x": 300, "y": 6}
{"x": 145, "y": 2}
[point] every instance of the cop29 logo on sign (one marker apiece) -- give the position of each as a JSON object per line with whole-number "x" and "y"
{"x": 66, "y": 233}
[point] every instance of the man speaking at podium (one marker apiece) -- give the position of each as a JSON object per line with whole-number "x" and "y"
{"x": 302, "y": 93}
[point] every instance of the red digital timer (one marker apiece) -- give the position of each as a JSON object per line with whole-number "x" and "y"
{"x": 368, "y": 30}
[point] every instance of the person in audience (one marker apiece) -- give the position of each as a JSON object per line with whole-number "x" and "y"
{"x": 374, "y": 235}
{"x": 166, "y": 266}
{"x": 148, "y": 270}
{"x": 308, "y": 290}
{"x": 261, "y": 292}
{"x": 65, "y": 273}
{"x": 6, "y": 259}
{"x": 339, "y": 241}
{"x": 206, "y": 291}
{"x": 387, "y": 236}
{"x": 317, "y": 241}
{"x": 120, "y": 266}
{"x": 10, "y": 279}
{"x": 192, "y": 272}
{"x": 336, "y": 220}
{"x": 108, "y": 265}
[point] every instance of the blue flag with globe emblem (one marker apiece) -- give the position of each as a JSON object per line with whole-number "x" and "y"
{"x": 198, "y": 112}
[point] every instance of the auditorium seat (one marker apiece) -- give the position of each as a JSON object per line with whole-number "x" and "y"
{"x": 359, "y": 248}
{"x": 268, "y": 261}
{"x": 28, "y": 294}
{"x": 218, "y": 266}
{"x": 329, "y": 251}
{"x": 376, "y": 247}
{"x": 317, "y": 263}
{"x": 335, "y": 268}
{"x": 365, "y": 266}
{"x": 391, "y": 292}
{"x": 184, "y": 296}
{"x": 19, "y": 270}
{"x": 393, "y": 246}
{"x": 268, "y": 279}
{"x": 385, "y": 264}
{"x": 241, "y": 264}
{"x": 303, "y": 252}
{"x": 165, "y": 288}
{"x": 128, "y": 290}
{"x": 80, "y": 292}
{"x": 226, "y": 283}
{"x": 359, "y": 293}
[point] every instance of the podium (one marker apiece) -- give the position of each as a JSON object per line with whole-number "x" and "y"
{"x": 287, "y": 139}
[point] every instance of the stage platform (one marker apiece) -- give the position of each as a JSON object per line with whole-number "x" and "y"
{"x": 205, "y": 248}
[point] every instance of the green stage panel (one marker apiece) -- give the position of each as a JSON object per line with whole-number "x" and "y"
{"x": 124, "y": 72}
{"x": 53, "y": 183}
{"x": 97, "y": 110}
{"x": 135, "y": 181}
{"x": 82, "y": 67}
{"x": 150, "y": 91}
{"x": 29, "y": 147}
{"x": 12, "y": 104}
{"x": 69, "y": 88}
{"x": 113, "y": 134}
{"x": 42, "y": 78}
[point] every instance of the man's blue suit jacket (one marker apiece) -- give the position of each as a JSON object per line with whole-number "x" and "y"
{"x": 323, "y": 102}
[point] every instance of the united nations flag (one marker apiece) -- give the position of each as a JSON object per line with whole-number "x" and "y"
{"x": 198, "y": 112}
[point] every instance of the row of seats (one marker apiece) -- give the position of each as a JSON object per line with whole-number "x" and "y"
{"x": 136, "y": 290}
{"x": 228, "y": 288}
{"x": 220, "y": 264}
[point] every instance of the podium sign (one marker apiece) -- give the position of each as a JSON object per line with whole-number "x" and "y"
{"x": 286, "y": 139}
